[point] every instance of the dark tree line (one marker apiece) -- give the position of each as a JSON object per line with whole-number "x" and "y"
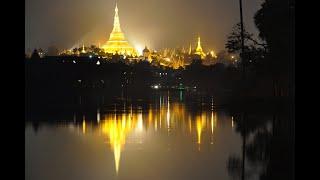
{"x": 269, "y": 59}
{"x": 271, "y": 149}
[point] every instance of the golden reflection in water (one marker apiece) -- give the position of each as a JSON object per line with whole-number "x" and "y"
{"x": 160, "y": 122}
{"x": 190, "y": 124}
{"x": 200, "y": 120}
{"x": 98, "y": 116}
{"x": 84, "y": 125}
{"x": 213, "y": 121}
{"x": 117, "y": 129}
{"x": 232, "y": 122}
{"x": 140, "y": 122}
{"x": 150, "y": 115}
{"x": 160, "y": 108}
{"x": 168, "y": 115}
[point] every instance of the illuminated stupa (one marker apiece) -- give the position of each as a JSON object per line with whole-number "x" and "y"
{"x": 199, "y": 50}
{"x": 83, "y": 51}
{"x": 117, "y": 42}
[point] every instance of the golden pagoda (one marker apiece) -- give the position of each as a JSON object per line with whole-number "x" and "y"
{"x": 83, "y": 51}
{"x": 117, "y": 42}
{"x": 199, "y": 49}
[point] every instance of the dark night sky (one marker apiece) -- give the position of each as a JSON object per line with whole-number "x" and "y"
{"x": 156, "y": 23}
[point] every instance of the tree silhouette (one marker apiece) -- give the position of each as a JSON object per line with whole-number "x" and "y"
{"x": 275, "y": 22}
{"x": 35, "y": 55}
{"x": 233, "y": 44}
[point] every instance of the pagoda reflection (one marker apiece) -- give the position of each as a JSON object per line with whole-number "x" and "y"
{"x": 164, "y": 119}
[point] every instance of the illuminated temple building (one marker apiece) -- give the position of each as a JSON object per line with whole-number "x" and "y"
{"x": 199, "y": 50}
{"x": 117, "y": 42}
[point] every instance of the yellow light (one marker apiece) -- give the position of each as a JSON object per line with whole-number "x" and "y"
{"x": 199, "y": 129}
{"x": 139, "y": 49}
{"x": 213, "y": 54}
{"x": 117, "y": 129}
{"x": 200, "y": 122}
{"x": 98, "y": 116}
{"x": 213, "y": 121}
{"x": 156, "y": 125}
{"x": 83, "y": 126}
{"x": 140, "y": 122}
{"x": 168, "y": 114}
{"x": 199, "y": 50}
{"x": 232, "y": 122}
{"x": 167, "y": 59}
{"x": 190, "y": 125}
{"x": 117, "y": 42}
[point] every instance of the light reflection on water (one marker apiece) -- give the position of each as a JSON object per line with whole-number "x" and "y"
{"x": 167, "y": 142}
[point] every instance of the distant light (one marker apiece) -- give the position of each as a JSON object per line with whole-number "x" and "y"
{"x": 155, "y": 87}
{"x": 139, "y": 49}
{"x": 232, "y": 57}
{"x": 74, "y": 62}
{"x": 213, "y": 54}
{"x": 98, "y": 63}
{"x": 140, "y": 122}
{"x": 90, "y": 56}
{"x": 79, "y": 80}
{"x": 232, "y": 122}
{"x": 98, "y": 115}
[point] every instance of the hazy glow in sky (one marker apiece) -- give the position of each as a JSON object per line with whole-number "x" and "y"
{"x": 155, "y": 23}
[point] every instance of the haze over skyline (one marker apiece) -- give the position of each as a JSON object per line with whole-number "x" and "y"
{"x": 157, "y": 24}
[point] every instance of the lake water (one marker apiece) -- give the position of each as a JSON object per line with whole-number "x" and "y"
{"x": 168, "y": 140}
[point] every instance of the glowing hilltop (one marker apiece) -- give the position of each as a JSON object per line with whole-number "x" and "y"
{"x": 117, "y": 44}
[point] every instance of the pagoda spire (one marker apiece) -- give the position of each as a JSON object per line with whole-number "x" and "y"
{"x": 116, "y": 22}
{"x": 117, "y": 44}
{"x": 199, "y": 48}
{"x": 83, "y": 51}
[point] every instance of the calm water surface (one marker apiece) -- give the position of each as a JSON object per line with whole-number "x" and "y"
{"x": 167, "y": 141}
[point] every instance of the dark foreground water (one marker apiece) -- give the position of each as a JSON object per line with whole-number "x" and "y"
{"x": 165, "y": 140}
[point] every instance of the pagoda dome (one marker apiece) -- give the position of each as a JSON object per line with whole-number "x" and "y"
{"x": 146, "y": 50}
